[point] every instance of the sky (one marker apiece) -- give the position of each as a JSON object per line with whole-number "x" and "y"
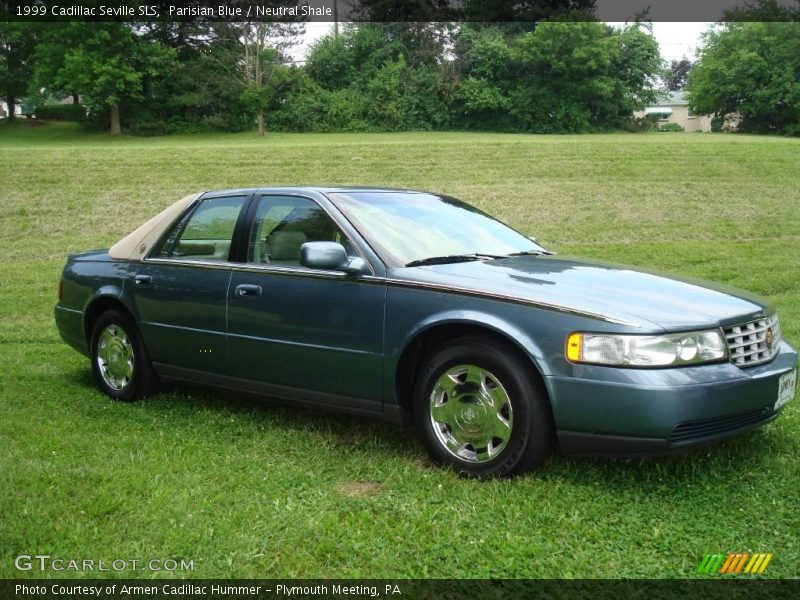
{"x": 675, "y": 39}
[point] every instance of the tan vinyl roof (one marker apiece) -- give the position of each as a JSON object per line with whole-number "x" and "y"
{"x": 136, "y": 244}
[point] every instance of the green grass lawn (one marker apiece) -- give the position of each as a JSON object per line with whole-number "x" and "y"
{"x": 245, "y": 489}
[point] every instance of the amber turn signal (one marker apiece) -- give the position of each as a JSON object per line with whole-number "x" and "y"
{"x": 574, "y": 345}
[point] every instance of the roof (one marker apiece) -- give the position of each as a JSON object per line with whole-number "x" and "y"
{"x": 308, "y": 188}
{"x": 677, "y": 98}
{"x": 137, "y": 244}
{"x": 671, "y": 99}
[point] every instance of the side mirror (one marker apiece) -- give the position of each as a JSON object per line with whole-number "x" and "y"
{"x": 331, "y": 257}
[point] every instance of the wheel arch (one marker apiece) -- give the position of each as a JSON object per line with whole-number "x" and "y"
{"x": 436, "y": 331}
{"x": 100, "y": 303}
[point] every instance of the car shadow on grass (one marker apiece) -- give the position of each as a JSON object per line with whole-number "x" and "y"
{"x": 346, "y": 430}
{"x": 713, "y": 463}
{"x": 714, "y": 466}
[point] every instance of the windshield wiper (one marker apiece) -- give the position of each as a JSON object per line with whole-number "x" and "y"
{"x": 531, "y": 253}
{"x": 450, "y": 258}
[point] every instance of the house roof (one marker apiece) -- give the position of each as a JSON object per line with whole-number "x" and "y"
{"x": 677, "y": 99}
{"x": 666, "y": 102}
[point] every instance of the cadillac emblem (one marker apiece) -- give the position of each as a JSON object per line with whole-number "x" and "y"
{"x": 769, "y": 337}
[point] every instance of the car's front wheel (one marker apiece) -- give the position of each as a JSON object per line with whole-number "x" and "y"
{"x": 120, "y": 363}
{"x": 480, "y": 409}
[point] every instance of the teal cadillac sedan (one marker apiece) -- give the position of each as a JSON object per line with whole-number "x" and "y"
{"x": 407, "y": 305}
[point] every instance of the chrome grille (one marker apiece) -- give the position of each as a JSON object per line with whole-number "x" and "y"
{"x": 748, "y": 343}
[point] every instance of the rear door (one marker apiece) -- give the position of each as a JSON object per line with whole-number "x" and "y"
{"x": 180, "y": 290}
{"x": 314, "y": 334}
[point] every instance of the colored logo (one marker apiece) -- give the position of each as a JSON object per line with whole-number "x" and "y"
{"x": 769, "y": 337}
{"x": 734, "y": 563}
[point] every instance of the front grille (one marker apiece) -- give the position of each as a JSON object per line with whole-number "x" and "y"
{"x": 703, "y": 428}
{"x": 755, "y": 342}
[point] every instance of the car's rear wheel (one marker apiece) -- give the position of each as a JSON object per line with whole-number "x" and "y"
{"x": 480, "y": 409}
{"x": 120, "y": 363}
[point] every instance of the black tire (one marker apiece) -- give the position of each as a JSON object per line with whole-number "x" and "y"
{"x": 523, "y": 408}
{"x": 117, "y": 326}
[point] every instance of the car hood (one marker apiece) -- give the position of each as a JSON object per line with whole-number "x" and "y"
{"x": 613, "y": 292}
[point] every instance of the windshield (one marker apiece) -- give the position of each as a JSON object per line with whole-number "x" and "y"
{"x": 406, "y": 227}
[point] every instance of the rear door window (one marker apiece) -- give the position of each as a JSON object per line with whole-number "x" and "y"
{"x": 206, "y": 232}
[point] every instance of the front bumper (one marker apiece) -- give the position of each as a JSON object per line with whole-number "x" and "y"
{"x": 610, "y": 411}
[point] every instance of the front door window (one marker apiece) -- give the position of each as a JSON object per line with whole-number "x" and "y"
{"x": 282, "y": 224}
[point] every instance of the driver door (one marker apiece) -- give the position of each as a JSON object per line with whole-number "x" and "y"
{"x": 298, "y": 332}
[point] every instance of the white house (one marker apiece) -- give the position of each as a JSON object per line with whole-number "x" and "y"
{"x": 675, "y": 109}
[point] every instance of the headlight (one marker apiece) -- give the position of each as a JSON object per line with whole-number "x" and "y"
{"x": 620, "y": 350}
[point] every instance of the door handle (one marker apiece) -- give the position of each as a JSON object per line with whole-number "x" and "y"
{"x": 142, "y": 280}
{"x": 248, "y": 289}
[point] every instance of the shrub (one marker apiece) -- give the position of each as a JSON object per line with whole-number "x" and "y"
{"x": 346, "y": 111}
{"x": 146, "y": 127}
{"x": 96, "y": 121}
{"x": 642, "y": 124}
{"x": 61, "y": 112}
{"x": 299, "y": 103}
{"x": 670, "y": 127}
{"x": 229, "y": 122}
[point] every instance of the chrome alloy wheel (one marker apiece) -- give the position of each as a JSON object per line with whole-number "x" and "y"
{"x": 471, "y": 413}
{"x": 115, "y": 357}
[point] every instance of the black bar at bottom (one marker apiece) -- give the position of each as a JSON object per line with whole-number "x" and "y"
{"x": 728, "y": 587}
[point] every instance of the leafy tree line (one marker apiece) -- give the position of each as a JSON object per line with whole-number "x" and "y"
{"x": 751, "y": 70}
{"x": 749, "y": 66}
{"x": 165, "y": 77}
{"x": 545, "y": 76}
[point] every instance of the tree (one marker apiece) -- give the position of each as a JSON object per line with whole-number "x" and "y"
{"x": 17, "y": 43}
{"x": 299, "y": 103}
{"x": 105, "y": 62}
{"x": 200, "y": 92}
{"x": 677, "y": 74}
{"x": 391, "y": 70}
{"x": 355, "y": 56}
{"x": 483, "y": 66}
{"x": 257, "y": 51}
{"x": 560, "y": 77}
{"x": 567, "y": 76}
{"x": 636, "y": 68}
{"x": 752, "y": 69}
{"x": 330, "y": 63}
{"x": 403, "y": 11}
{"x": 521, "y": 14}
{"x": 763, "y": 10}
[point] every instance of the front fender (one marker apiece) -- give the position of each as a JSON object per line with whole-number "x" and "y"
{"x": 411, "y": 313}
{"x": 481, "y": 319}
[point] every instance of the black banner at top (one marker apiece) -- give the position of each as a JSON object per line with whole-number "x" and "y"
{"x": 398, "y": 10}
